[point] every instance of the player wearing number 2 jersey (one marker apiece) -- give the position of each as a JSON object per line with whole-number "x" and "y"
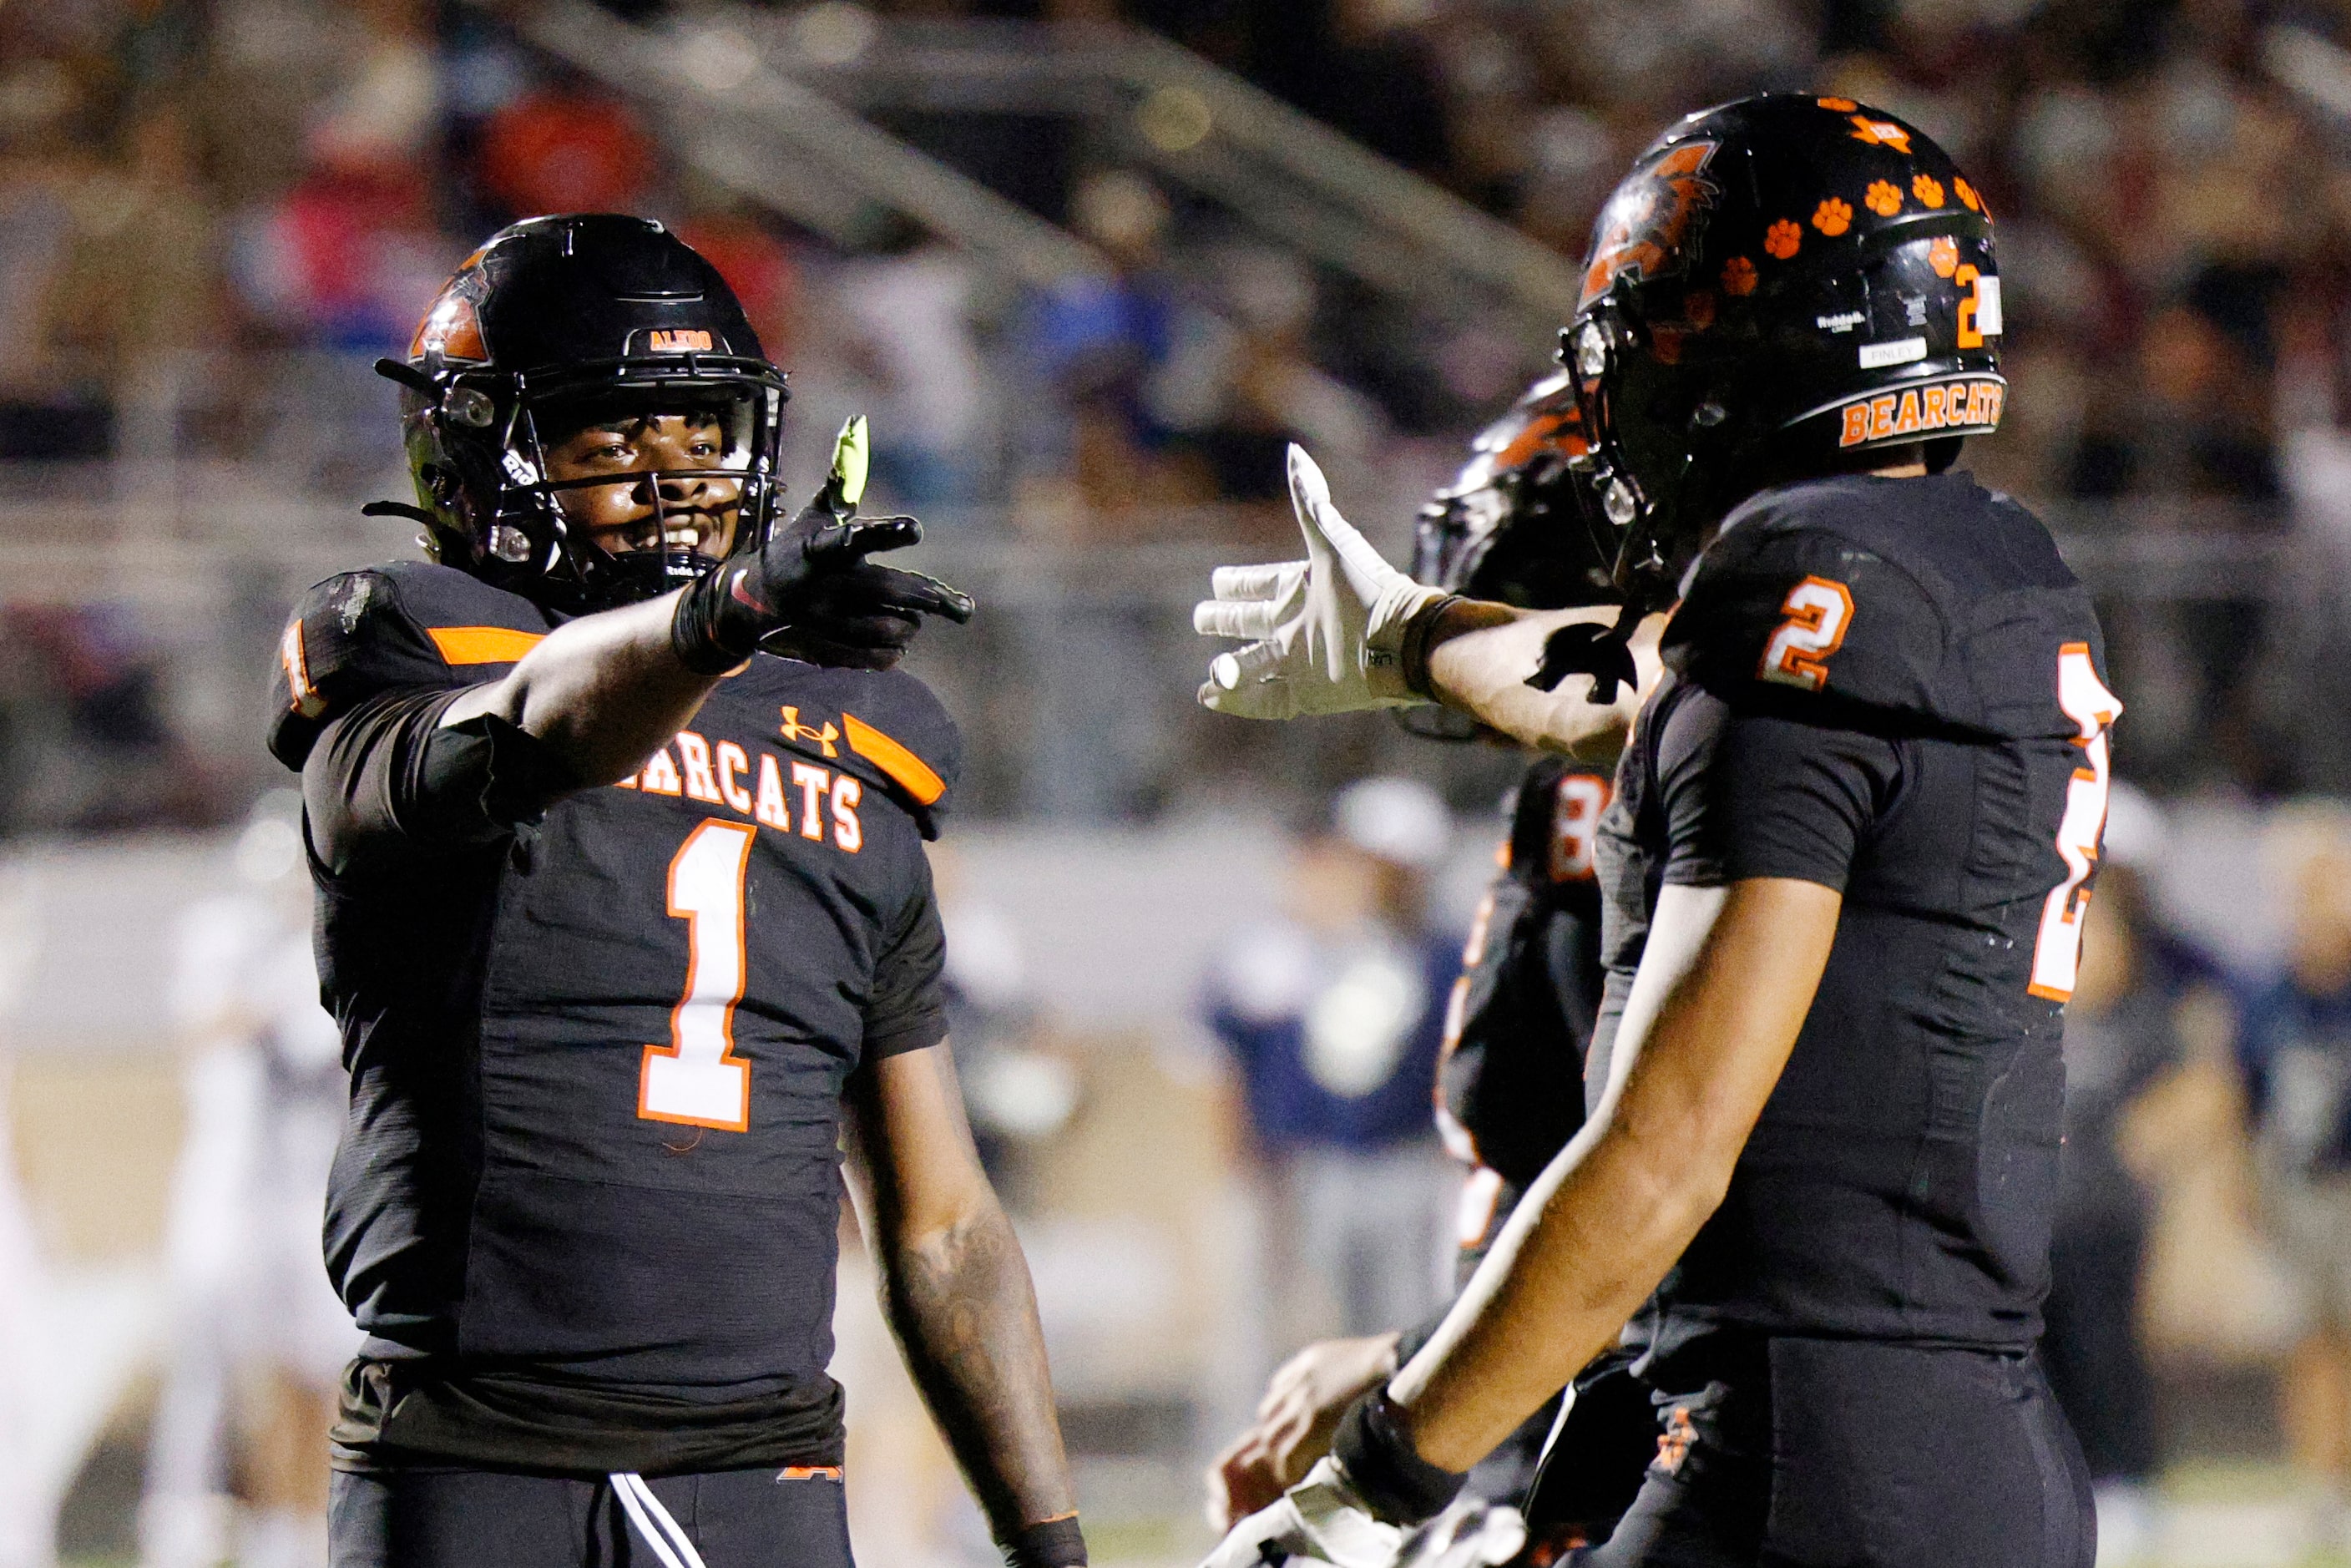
{"x": 1844, "y": 872}
{"x": 616, "y": 811}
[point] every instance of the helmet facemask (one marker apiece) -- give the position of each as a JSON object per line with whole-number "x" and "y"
{"x": 556, "y": 324}
{"x": 511, "y": 515}
{"x": 1508, "y": 528}
{"x": 1648, "y": 485}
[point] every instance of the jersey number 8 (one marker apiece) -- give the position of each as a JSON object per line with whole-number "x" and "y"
{"x": 2057, "y": 955}
{"x": 697, "y": 1078}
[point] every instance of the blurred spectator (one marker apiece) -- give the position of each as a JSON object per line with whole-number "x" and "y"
{"x": 86, "y": 736}
{"x": 2294, "y": 1044}
{"x": 1098, "y": 340}
{"x": 2119, "y": 1040}
{"x": 909, "y": 304}
{"x": 1017, "y": 1095}
{"x": 756, "y": 265}
{"x": 259, "y": 1339}
{"x": 1332, "y": 1015}
{"x": 1240, "y": 383}
{"x": 565, "y": 149}
{"x": 49, "y": 407}
{"x": 347, "y": 258}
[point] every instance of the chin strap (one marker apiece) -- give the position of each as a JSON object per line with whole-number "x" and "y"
{"x": 399, "y": 509}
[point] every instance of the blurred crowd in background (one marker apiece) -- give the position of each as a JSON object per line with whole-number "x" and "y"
{"x": 218, "y": 211}
{"x": 215, "y": 214}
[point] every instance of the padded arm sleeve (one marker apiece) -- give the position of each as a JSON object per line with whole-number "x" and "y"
{"x": 388, "y": 772}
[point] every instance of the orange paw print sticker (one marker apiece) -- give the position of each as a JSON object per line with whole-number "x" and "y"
{"x": 1943, "y": 256}
{"x": 1881, "y": 133}
{"x": 1739, "y": 274}
{"x": 1884, "y": 198}
{"x": 1968, "y": 199}
{"x": 1838, "y": 105}
{"x": 1833, "y": 217}
{"x": 1782, "y": 238}
{"x": 1929, "y": 190}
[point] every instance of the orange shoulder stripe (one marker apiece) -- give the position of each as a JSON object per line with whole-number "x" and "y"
{"x": 911, "y": 772}
{"x": 482, "y": 644}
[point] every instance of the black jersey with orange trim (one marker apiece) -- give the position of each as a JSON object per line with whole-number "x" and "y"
{"x": 599, "y": 1038}
{"x": 1509, "y": 1080}
{"x": 1894, "y": 688}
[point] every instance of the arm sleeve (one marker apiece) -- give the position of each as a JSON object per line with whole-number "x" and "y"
{"x": 908, "y": 1007}
{"x": 1750, "y": 793}
{"x": 388, "y": 770}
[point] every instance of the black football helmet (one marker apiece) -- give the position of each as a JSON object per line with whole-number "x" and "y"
{"x": 553, "y": 320}
{"x": 1508, "y": 528}
{"x": 1784, "y": 286}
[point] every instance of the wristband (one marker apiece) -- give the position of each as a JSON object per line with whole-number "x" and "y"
{"x": 696, "y": 631}
{"x": 1412, "y": 653}
{"x": 1398, "y": 1486}
{"x": 1050, "y": 1544}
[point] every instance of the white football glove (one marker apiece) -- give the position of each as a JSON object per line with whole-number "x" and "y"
{"x": 1328, "y": 629}
{"x": 1320, "y": 1520}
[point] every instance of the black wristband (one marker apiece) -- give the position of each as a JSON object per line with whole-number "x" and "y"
{"x": 697, "y": 631}
{"x": 1054, "y": 1544}
{"x": 1412, "y": 654}
{"x": 1399, "y": 1485}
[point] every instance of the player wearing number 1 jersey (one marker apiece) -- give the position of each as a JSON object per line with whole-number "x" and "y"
{"x": 616, "y": 811}
{"x": 1845, "y": 868}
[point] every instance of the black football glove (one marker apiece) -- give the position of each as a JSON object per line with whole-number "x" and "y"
{"x": 811, "y": 588}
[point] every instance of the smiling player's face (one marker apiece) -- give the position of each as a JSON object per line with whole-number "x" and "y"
{"x": 662, "y": 489}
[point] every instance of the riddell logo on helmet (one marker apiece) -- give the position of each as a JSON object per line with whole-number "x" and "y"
{"x": 1968, "y": 405}
{"x": 679, "y": 341}
{"x": 1649, "y": 222}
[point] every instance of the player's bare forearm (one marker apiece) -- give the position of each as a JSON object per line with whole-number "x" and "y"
{"x": 961, "y": 1303}
{"x": 1482, "y": 653}
{"x": 601, "y": 692}
{"x": 956, "y": 1289}
{"x": 1703, "y": 1040}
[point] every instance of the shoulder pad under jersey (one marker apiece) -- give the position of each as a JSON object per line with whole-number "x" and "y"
{"x": 893, "y": 732}
{"x": 1932, "y": 600}
{"x": 408, "y": 623}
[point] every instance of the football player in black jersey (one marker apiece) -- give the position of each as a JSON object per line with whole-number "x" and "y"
{"x": 1844, "y": 872}
{"x": 616, "y": 813}
{"x": 1510, "y": 1082}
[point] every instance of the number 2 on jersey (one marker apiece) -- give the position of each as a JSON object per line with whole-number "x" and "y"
{"x": 697, "y": 1078}
{"x": 1819, "y": 612}
{"x": 2057, "y": 955}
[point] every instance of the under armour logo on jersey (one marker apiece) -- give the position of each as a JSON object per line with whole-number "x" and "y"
{"x": 793, "y": 729}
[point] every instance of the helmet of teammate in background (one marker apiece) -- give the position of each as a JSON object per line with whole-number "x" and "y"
{"x": 1784, "y": 287}
{"x": 1508, "y": 528}
{"x": 556, "y": 322}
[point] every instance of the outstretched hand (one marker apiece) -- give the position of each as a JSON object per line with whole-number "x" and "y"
{"x": 812, "y": 587}
{"x": 1327, "y": 632}
{"x": 1300, "y": 1409}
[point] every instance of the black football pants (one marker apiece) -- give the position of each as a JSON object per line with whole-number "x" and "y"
{"x": 1854, "y": 1453}
{"x": 497, "y": 1518}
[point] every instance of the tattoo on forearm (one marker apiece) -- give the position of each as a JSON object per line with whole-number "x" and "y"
{"x": 962, "y": 1306}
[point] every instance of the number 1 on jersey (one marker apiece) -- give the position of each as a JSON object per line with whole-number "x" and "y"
{"x": 2057, "y": 955}
{"x": 697, "y": 1078}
